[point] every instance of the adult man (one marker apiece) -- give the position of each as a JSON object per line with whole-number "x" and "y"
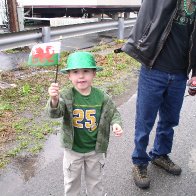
{"x": 164, "y": 41}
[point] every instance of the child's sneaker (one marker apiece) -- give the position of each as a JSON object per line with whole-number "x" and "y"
{"x": 140, "y": 176}
{"x": 167, "y": 164}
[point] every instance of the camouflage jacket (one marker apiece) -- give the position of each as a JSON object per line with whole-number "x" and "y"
{"x": 109, "y": 116}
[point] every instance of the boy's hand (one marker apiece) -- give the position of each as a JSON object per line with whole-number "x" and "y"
{"x": 117, "y": 130}
{"x": 53, "y": 91}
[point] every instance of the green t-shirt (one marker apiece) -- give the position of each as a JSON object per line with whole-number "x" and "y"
{"x": 86, "y": 115}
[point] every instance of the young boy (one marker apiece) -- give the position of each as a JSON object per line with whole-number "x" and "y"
{"x": 87, "y": 115}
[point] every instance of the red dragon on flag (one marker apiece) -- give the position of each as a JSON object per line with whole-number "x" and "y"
{"x": 39, "y": 55}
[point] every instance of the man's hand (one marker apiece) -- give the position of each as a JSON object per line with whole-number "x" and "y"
{"x": 192, "y": 83}
{"x": 117, "y": 130}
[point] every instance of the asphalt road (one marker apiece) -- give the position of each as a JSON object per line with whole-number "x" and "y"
{"x": 46, "y": 177}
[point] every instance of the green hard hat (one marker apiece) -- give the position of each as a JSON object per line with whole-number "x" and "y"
{"x": 81, "y": 60}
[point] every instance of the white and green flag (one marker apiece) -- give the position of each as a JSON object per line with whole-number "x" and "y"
{"x": 46, "y": 54}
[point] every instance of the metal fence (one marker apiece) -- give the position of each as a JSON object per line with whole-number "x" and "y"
{"x": 47, "y": 34}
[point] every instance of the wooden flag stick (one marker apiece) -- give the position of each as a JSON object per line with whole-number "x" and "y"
{"x": 57, "y": 67}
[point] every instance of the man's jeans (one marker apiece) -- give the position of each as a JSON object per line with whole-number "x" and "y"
{"x": 158, "y": 93}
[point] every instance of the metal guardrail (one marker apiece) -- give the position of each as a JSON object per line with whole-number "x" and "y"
{"x": 47, "y": 34}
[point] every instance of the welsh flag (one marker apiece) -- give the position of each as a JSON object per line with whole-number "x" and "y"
{"x": 46, "y": 54}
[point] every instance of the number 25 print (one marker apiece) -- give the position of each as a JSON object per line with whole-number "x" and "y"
{"x": 87, "y": 115}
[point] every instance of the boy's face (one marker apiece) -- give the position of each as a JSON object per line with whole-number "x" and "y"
{"x": 82, "y": 79}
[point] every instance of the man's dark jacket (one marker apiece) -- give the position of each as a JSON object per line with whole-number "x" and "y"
{"x": 151, "y": 30}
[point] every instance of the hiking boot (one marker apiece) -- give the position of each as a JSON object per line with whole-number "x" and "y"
{"x": 140, "y": 176}
{"x": 167, "y": 164}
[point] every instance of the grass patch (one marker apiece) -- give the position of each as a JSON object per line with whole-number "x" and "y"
{"x": 100, "y": 47}
{"x": 17, "y": 50}
{"x": 5, "y": 106}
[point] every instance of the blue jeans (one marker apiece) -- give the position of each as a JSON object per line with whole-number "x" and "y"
{"x": 158, "y": 93}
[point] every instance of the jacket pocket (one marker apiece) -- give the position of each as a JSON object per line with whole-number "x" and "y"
{"x": 147, "y": 29}
{"x": 144, "y": 35}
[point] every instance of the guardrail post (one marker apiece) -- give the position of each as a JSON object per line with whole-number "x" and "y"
{"x": 20, "y": 11}
{"x": 121, "y": 27}
{"x": 45, "y": 34}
